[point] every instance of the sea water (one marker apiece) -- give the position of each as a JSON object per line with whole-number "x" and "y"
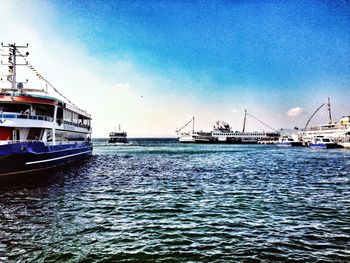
{"x": 155, "y": 200}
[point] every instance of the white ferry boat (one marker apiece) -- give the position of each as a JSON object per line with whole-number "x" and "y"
{"x": 193, "y": 136}
{"x": 338, "y": 132}
{"x": 118, "y": 136}
{"x": 38, "y": 131}
{"x": 222, "y": 133}
{"x": 335, "y": 131}
{"x": 344, "y": 141}
{"x": 289, "y": 141}
{"x": 321, "y": 142}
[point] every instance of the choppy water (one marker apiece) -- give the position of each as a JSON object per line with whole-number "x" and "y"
{"x": 159, "y": 201}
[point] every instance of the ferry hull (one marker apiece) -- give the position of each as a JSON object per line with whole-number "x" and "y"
{"x": 345, "y": 144}
{"x": 323, "y": 145}
{"x": 21, "y": 158}
{"x": 289, "y": 144}
{"x": 119, "y": 140}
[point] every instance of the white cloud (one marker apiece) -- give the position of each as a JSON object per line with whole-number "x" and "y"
{"x": 122, "y": 86}
{"x": 294, "y": 112}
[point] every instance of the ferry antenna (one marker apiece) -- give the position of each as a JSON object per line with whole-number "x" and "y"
{"x": 12, "y": 62}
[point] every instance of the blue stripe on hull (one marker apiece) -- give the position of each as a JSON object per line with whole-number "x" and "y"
{"x": 322, "y": 145}
{"x": 35, "y": 156}
{"x": 284, "y": 144}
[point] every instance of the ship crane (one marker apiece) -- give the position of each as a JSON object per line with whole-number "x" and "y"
{"x": 329, "y": 112}
{"x": 250, "y": 115}
{"x": 191, "y": 120}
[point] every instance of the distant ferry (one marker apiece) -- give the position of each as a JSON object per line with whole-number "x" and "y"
{"x": 118, "y": 137}
{"x": 289, "y": 141}
{"x": 337, "y": 132}
{"x": 38, "y": 131}
{"x": 322, "y": 143}
{"x": 222, "y": 133}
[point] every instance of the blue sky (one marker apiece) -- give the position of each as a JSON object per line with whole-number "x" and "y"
{"x": 264, "y": 43}
{"x": 267, "y": 56}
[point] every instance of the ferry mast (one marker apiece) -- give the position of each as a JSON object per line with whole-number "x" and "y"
{"x": 329, "y": 111}
{"x": 244, "y": 121}
{"x": 12, "y": 63}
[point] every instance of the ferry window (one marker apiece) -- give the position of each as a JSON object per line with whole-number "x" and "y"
{"x": 59, "y": 136}
{"x": 86, "y": 122}
{"x": 67, "y": 116}
{"x": 59, "y": 115}
{"x": 43, "y": 110}
{"x": 14, "y": 108}
{"x": 71, "y": 136}
{"x": 49, "y": 135}
{"x": 75, "y": 118}
{"x": 80, "y": 119}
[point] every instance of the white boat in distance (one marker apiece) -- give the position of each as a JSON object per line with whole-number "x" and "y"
{"x": 338, "y": 132}
{"x": 118, "y": 136}
{"x": 222, "y": 133}
{"x": 321, "y": 142}
{"x": 289, "y": 141}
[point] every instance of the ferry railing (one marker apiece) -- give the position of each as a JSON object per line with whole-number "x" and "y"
{"x": 25, "y": 116}
{"x": 49, "y": 143}
{"x": 77, "y": 124}
{"x": 342, "y": 126}
{"x": 3, "y": 142}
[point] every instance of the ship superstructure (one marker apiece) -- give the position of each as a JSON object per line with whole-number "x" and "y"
{"x": 38, "y": 131}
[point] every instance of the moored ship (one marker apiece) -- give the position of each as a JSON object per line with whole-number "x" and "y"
{"x": 289, "y": 141}
{"x": 38, "y": 131}
{"x": 321, "y": 142}
{"x": 337, "y": 132}
{"x": 222, "y": 133}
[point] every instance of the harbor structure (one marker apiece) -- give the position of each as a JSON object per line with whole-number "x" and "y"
{"x": 38, "y": 131}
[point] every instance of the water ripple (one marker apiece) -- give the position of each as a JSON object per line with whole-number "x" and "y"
{"x": 159, "y": 201}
